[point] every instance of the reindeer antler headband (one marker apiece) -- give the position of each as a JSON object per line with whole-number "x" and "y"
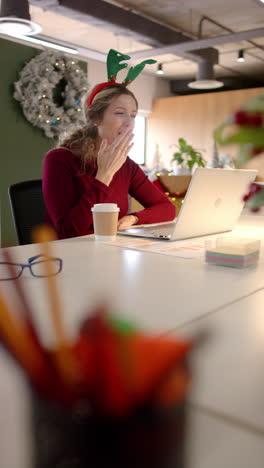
{"x": 113, "y": 67}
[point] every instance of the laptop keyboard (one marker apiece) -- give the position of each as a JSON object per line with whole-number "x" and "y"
{"x": 161, "y": 231}
{"x": 155, "y": 231}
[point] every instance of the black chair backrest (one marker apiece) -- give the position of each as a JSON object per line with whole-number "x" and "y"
{"x": 28, "y": 208}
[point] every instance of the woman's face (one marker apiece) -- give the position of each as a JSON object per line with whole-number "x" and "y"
{"x": 118, "y": 117}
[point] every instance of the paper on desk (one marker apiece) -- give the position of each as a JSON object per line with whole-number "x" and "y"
{"x": 185, "y": 249}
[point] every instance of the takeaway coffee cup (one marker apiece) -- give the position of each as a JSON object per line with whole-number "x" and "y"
{"x": 105, "y": 217}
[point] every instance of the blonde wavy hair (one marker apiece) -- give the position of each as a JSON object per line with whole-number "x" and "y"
{"x": 82, "y": 141}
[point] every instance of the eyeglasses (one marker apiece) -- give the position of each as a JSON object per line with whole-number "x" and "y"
{"x": 38, "y": 269}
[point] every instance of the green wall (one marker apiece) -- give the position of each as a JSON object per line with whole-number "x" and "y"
{"x": 23, "y": 146}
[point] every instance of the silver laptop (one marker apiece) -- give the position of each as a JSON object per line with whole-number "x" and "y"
{"x": 212, "y": 204}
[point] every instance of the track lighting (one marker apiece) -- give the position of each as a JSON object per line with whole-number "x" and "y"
{"x": 160, "y": 69}
{"x": 240, "y": 57}
{"x": 15, "y": 19}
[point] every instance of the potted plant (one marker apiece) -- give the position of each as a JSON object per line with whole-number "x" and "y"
{"x": 186, "y": 158}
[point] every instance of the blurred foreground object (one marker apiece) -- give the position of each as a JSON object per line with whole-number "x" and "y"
{"x": 114, "y": 396}
{"x": 245, "y": 128}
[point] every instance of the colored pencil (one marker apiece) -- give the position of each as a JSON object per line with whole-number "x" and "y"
{"x": 63, "y": 355}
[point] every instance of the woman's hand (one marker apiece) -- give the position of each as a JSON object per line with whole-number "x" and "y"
{"x": 112, "y": 156}
{"x": 126, "y": 222}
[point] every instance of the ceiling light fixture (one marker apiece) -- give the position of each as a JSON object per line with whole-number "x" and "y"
{"x": 240, "y": 57}
{"x": 15, "y": 18}
{"x": 51, "y": 45}
{"x": 160, "y": 69}
{"x": 12, "y": 26}
{"x": 205, "y": 77}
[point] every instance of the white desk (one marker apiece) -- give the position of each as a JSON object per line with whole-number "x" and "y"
{"x": 164, "y": 293}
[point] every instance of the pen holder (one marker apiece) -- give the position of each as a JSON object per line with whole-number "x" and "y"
{"x": 147, "y": 438}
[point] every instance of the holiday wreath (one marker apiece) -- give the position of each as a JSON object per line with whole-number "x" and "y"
{"x": 50, "y": 88}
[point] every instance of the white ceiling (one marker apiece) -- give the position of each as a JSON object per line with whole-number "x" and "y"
{"x": 182, "y": 15}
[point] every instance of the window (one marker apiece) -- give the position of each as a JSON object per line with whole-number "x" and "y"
{"x": 137, "y": 153}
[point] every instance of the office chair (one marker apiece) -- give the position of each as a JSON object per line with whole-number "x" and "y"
{"x": 28, "y": 208}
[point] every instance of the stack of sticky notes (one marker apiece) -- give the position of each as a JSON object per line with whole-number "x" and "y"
{"x": 234, "y": 252}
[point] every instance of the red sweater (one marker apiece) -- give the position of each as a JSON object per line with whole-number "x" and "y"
{"x": 70, "y": 194}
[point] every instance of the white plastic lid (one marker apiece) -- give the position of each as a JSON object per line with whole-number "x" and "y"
{"x": 105, "y": 207}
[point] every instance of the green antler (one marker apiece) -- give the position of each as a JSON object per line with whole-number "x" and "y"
{"x": 113, "y": 63}
{"x": 133, "y": 72}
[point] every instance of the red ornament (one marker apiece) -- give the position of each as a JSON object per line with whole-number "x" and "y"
{"x": 254, "y": 188}
{"x": 241, "y": 118}
{"x": 255, "y": 120}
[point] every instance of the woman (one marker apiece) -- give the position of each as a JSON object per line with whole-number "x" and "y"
{"x": 91, "y": 166}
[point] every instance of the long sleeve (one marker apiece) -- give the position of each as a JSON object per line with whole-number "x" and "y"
{"x": 69, "y": 195}
{"x": 158, "y": 207}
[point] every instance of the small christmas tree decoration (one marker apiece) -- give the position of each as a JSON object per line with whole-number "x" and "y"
{"x": 157, "y": 158}
{"x": 224, "y": 161}
{"x": 215, "y": 162}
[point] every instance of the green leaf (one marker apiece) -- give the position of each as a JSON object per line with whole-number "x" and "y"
{"x": 133, "y": 72}
{"x": 178, "y": 157}
{"x": 187, "y": 156}
{"x": 122, "y": 326}
{"x": 182, "y": 142}
{"x": 255, "y": 136}
{"x": 113, "y": 63}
